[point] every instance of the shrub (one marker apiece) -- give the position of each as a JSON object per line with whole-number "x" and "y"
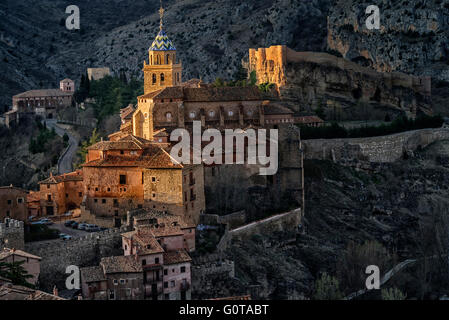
{"x": 393, "y": 294}
{"x": 327, "y": 288}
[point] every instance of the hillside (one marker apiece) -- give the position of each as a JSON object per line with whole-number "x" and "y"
{"x": 36, "y": 50}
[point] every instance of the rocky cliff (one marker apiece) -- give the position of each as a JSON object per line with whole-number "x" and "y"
{"x": 413, "y": 35}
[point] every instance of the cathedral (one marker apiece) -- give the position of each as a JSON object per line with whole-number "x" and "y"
{"x": 169, "y": 103}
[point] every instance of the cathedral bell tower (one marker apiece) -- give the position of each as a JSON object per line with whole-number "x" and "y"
{"x": 162, "y": 69}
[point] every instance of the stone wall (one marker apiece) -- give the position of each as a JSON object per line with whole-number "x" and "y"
{"x": 374, "y": 149}
{"x": 233, "y": 220}
{"x": 288, "y": 221}
{"x": 12, "y": 234}
{"x": 207, "y": 270}
{"x": 57, "y": 255}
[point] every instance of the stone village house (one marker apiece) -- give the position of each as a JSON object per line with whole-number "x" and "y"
{"x": 155, "y": 265}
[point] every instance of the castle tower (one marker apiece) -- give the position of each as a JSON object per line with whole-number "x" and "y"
{"x": 162, "y": 69}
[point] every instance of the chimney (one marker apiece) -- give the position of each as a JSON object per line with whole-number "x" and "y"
{"x": 55, "y": 291}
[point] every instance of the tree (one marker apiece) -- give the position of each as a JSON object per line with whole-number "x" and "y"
{"x": 94, "y": 138}
{"x": 393, "y": 294}
{"x": 15, "y": 272}
{"x": 252, "y": 78}
{"x": 219, "y": 82}
{"x": 327, "y": 288}
{"x": 351, "y": 268}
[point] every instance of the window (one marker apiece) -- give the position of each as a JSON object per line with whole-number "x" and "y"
{"x": 153, "y": 179}
{"x": 183, "y": 269}
{"x": 66, "y": 195}
{"x": 49, "y": 198}
{"x": 122, "y": 152}
{"x": 96, "y": 189}
{"x": 19, "y": 200}
{"x": 109, "y": 189}
{"x": 8, "y": 213}
{"x": 48, "y": 186}
{"x": 167, "y": 57}
{"x": 153, "y": 195}
{"x": 162, "y": 77}
{"x": 230, "y": 113}
{"x": 172, "y": 283}
{"x": 122, "y": 281}
{"x": 212, "y": 113}
{"x": 122, "y": 179}
{"x": 168, "y": 115}
{"x": 115, "y": 282}
{"x": 156, "y": 261}
{"x": 165, "y": 272}
{"x": 112, "y": 294}
{"x": 95, "y": 200}
{"x": 166, "y": 296}
{"x": 165, "y": 284}
{"x": 154, "y": 78}
{"x": 177, "y": 76}
{"x": 192, "y": 114}
{"x": 9, "y": 202}
{"x": 103, "y": 200}
{"x": 80, "y": 194}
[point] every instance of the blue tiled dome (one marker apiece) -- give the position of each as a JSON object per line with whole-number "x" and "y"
{"x": 162, "y": 43}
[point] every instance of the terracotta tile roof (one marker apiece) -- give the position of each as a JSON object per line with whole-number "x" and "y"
{"x": 40, "y": 295}
{"x": 127, "y": 142}
{"x": 146, "y": 240}
{"x": 13, "y": 292}
{"x": 158, "y": 159}
{"x": 127, "y": 113}
{"x": 175, "y": 257}
{"x": 72, "y": 176}
{"x": 150, "y": 95}
{"x": 43, "y": 93}
{"x": 171, "y": 93}
{"x": 276, "y": 109}
{"x": 120, "y": 264}
{"x": 13, "y": 252}
{"x": 115, "y": 145}
{"x": 222, "y": 94}
{"x": 15, "y": 188}
{"x": 92, "y": 274}
{"x": 208, "y": 93}
{"x": 33, "y": 197}
{"x": 308, "y": 119}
